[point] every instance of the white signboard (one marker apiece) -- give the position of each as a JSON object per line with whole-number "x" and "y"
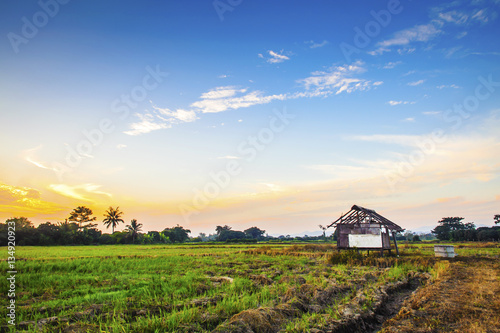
{"x": 365, "y": 241}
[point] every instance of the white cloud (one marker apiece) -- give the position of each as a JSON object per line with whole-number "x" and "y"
{"x": 409, "y": 120}
{"x": 419, "y": 33}
{"x": 431, "y": 113}
{"x": 394, "y": 103}
{"x": 483, "y": 16}
{"x": 29, "y": 156}
{"x": 222, "y": 92}
{"x": 314, "y": 45}
{"x": 160, "y": 118}
{"x": 454, "y": 17}
{"x": 337, "y": 79}
{"x": 121, "y": 146}
{"x": 229, "y": 157}
{"x": 228, "y": 98}
{"x": 401, "y": 140}
{"x": 391, "y": 64}
{"x": 416, "y": 83}
{"x": 75, "y": 192}
{"x": 275, "y": 58}
{"x": 448, "y": 86}
{"x": 148, "y": 123}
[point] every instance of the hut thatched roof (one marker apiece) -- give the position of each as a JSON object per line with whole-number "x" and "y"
{"x": 359, "y": 214}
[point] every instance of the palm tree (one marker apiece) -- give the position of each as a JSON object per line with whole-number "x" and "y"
{"x": 113, "y": 218}
{"x": 134, "y": 229}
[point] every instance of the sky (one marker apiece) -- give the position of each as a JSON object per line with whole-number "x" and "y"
{"x": 280, "y": 115}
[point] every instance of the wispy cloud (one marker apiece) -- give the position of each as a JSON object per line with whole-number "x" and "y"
{"x": 443, "y": 86}
{"x": 431, "y": 113}
{"x": 402, "y": 140}
{"x": 415, "y": 83}
{"x": 337, "y": 79}
{"x": 228, "y": 157}
{"x": 30, "y": 156}
{"x": 440, "y": 18}
{"x": 274, "y": 57}
{"x": 409, "y": 120}
{"x": 394, "y": 103}
{"x": 82, "y": 192}
{"x": 418, "y": 33}
{"x": 159, "y": 118}
{"x": 391, "y": 64}
{"x": 454, "y": 16}
{"x": 230, "y": 98}
{"x": 314, "y": 45}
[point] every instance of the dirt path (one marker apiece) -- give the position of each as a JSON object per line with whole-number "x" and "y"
{"x": 464, "y": 298}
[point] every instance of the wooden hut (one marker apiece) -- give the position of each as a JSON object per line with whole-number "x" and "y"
{"x": 364, "y": 228}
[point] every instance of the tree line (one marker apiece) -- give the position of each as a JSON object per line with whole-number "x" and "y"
{"x": 80, "y": 229}
{"x": 454, "y": 229}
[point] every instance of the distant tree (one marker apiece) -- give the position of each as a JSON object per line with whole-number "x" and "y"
{"x": 226, "y": 235}
{"x": 416, "y": 238}
{"x": 49, "y": 233}
{"x": 449, "y": 224}
{"x": 220, "y": 229}
{"x": 113, "y": 218}
{"x": 134, "y": 229}
{"x": 203, "y": 236}
{"x": 82, "y": 214}
{"x": 177, "y": 234}
{"x": 154, "y": 237}
{"x": 25, "y": 231}
{"x": 254, "y": 232}
{"x": 497, "y": 219}
{"x": 67, "y": 232}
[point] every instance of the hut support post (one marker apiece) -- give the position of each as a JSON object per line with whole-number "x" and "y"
{"x": 395, "y": 242}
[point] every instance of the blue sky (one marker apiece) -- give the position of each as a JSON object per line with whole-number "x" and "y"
{"x": 172, "y": 92}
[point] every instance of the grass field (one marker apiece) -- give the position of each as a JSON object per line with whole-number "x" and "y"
{"x": 235, "y": 288}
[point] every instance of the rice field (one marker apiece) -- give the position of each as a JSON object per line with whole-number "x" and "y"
{"x": 221, "y": 288}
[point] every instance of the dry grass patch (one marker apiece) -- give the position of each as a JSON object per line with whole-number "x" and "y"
{"x": 463, "y": 298}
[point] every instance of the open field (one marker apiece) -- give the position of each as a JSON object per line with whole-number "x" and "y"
{"x": 254, "y": 288}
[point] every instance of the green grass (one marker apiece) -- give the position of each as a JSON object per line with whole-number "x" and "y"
{"x": 167, "y": 288}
